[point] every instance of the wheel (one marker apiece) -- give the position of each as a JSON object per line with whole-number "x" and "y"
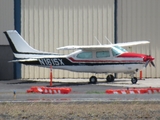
{"x": 134, "y": 80}
{"x": 93, "y": 80}
{"x": 110, "y": 78}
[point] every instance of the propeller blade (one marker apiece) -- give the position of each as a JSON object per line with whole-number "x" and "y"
{"x": 147, "y": 63}
{"x": 153, "y": 64}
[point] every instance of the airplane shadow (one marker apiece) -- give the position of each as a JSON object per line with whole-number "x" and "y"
{"x": 56, "y": 84}
{"x": 43, "y": 83}
{"x": 22, "y": 82}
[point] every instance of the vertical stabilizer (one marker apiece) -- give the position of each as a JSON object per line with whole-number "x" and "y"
{"x": 17, "y": 43}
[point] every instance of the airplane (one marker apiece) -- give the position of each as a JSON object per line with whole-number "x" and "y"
{"x": 107, "y": 59}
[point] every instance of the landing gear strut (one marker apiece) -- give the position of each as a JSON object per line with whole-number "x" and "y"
{"x": 110, "y": 78}
{"x": 93, "y": 80}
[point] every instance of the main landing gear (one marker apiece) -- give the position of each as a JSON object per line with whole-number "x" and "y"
{"x": 109, "y": 78}
{"x": 93, "y": 80}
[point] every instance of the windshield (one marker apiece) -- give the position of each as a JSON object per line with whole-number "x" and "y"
{"x": 116, "y": 50}
{"x": 120, "y": 48}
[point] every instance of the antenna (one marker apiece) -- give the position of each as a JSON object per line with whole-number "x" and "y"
{"x": 108, "y": 40}
{"x": 97, "y": 40}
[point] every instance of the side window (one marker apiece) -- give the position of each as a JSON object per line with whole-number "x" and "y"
{"x": 85, "y": 55}
{"x": 102, "y": 54}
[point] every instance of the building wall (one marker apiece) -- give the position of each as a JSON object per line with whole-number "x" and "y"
{"x": 6, "y": 23}
{"x": 139, "y": 20}
{"x": 6, "y": 68}
{"x": 48, "y": 24}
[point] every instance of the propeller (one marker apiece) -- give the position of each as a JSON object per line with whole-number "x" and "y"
{"x": 149, "y": 58}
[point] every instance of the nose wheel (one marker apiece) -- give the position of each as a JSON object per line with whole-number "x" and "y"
{"x": 134, "y": 80}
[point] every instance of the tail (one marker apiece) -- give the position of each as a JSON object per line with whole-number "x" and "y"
{"x": 17, "y": 43}
{"x": 20, "y": 47}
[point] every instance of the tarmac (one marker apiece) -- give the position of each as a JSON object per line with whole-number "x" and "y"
{"x": 118, "y": 82}
{"x": 81, "y": 90}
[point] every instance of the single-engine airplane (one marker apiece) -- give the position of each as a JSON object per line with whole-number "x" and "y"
{"x": 110, "y": 58}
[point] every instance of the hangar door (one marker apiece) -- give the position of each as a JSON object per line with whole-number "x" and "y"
{"x": 48, "y": 24}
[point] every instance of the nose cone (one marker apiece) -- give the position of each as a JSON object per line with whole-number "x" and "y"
{"x": 137, "y": 55}
{"x": 148, "y": 57}
{"x": 145, "y": 58}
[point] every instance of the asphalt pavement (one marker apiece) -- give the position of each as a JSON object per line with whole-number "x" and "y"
{"x": 15, "y": 90}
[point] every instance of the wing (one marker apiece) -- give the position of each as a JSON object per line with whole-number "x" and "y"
{"x": 90, "y": 47}
{"x": 132, "y": 43}
{"x": 87, "y": 47}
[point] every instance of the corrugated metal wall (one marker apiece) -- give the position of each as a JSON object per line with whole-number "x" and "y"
{"x": 139, "y": 20}
{"x": 48, "y": 24}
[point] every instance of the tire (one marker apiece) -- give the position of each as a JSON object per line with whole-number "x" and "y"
{"x": 134, "y": 80}
{"x": 93, "y": 80}
{"x": 110, "y": 78}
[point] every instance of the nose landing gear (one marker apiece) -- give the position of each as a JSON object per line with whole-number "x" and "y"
{"x": 134, "y": 80}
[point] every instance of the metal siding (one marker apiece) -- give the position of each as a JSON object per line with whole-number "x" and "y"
{"x": 49, "y": 24}
{"x": 138, "y": 20}
{"x": 6, "y": 19}
{"x": 6, "y": 69}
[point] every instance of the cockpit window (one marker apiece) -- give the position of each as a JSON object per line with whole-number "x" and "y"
{"x": 102, "y": 54}
{"x": 116, "y": 50}
{"x": 85, "y": 55}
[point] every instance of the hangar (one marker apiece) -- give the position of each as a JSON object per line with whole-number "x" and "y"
{"x": 49, "y": 24}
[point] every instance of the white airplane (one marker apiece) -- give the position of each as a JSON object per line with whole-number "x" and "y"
{"x": 111, "y": 58}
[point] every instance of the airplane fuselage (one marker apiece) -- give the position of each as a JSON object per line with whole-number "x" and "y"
{"x": 111, "y": 64}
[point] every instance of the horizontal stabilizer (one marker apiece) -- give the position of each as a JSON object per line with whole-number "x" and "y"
{"x": 23, "y": 60}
